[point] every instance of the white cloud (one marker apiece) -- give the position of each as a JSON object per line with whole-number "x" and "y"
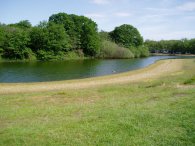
{"x": 100, "y": 2}
{"x": 189, "y": 6}
{"x": 95, "y": 15}
{"x": 161, "y": 32}
{"x": 123, "y": 14}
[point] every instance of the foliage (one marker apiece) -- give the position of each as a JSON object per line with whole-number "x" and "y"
{"x": 111, "y": 50}
{"x": 38, "y": 37}
{"x": 183, "y": 46}
{"x": 65, "y": 33}
{"x": 16, "y": 44}
{"x": 2, "y": 38}
{"x": 49, "y": 55}
{"x": 48, "y": 39}
{"x": 127, "y": 36}
{"x": 77, "y": 54}
{"x": 24, "y": 24}
{"x": 57, "y": 39}
{"x": 141, "y": 51}
{"x": 81, "y": 30}
{"x": 65, "y": 20}
{"x": 90, "y": 41}
{"x": 104, "y": 36}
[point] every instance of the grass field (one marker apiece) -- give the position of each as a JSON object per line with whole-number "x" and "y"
{"x": 152, "y": 112}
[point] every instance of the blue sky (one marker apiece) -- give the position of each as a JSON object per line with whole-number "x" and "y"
{"x": 155, "y": 19}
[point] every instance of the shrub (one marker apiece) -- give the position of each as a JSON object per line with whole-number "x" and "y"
{"x": 45, "y": 55}
{"x": 140, "y": 51}
{"x": 77, "y": 54}
{"x": 112, "y": 50}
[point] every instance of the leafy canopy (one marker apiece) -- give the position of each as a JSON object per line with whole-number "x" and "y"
{"x": 127, "y": 36}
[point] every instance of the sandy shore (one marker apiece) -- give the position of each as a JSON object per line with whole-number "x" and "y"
{"x": 162, "y": 54}
{"x": 153, "y": 71}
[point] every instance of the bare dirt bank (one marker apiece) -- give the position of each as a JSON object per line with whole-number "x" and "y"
{"x": 156, "y": 70}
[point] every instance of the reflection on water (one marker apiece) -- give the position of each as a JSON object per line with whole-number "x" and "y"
{"x": 64, "y": 70}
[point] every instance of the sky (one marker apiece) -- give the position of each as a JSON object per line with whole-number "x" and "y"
{"x": 155, "y": 19}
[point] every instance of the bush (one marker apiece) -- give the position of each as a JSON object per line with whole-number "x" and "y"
{"x": 45, "y": 55}
{"x": 77, "y": 54}
{"x": 28, "y": 54}
{"x": 112, "y": 50}
{"x": 60, "y": 55}
{"x": 140, "y": 51}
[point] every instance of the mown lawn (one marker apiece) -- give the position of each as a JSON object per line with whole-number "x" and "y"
{"x": 157, "y": 112}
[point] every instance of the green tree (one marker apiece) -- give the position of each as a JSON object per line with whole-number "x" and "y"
{"x": 57, "y": 39}
{"x": 49, "y": 40}
{"x": 2, "y": 38}
{"x": 16, "y": 44}
{"x": 104, "y": 35}
{"x": 171, "y": 46}
{"x": 68, "y": 23}
{"x": 191, "y": 47}
{"x": 90, "y": 39}
{"x": 81, "y": 30}
{"x": 38, "y": 35}
{"x": 24, "y": 24}
{"x": 127, "y": 36}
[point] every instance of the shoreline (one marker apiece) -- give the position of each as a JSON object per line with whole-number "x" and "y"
{"x": 88, "y": 58}
{"x": 159, "y": 68}
{"x": 162, "y": 54}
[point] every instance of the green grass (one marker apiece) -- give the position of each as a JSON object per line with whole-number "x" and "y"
{"x": 157, "y": 112}
{"x": 190, "y": 80}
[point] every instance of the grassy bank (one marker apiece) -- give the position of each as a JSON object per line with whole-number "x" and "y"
{"x": 156, "y": 111}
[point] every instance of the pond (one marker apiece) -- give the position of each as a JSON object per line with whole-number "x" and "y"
{"x": 14, "y": 72}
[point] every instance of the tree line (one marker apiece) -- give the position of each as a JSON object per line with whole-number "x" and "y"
{"x": 183, "y": 46}
{"x": 66, "y": 36}
{"x": 49, "y": 40}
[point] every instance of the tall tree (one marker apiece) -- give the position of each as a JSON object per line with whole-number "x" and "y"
{"x": 127, "y": 36}
{"x": 57, "y": 39}
{"x": 68, "y": 23}
{"x": 2, "y": 37}
{"x": 50, "y": 36}
{"x": 81, "y": 30}
{"x": 16, "y": 44}
{"x": 38, "y": 35}
{"x": 90, "y": 39}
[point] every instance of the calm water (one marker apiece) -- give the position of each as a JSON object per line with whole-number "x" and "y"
{"x": 11, "y": 72}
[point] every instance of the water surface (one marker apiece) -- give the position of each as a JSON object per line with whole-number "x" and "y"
{"x": 12, "y": 72}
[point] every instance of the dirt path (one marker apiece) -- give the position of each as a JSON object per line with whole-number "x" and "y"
{"x": 156, "y": 70}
